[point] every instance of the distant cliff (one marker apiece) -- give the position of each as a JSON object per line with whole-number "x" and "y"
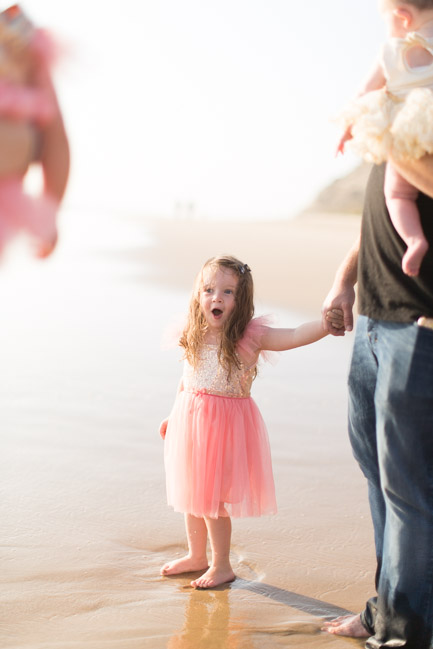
{"x": 343, "y": 196}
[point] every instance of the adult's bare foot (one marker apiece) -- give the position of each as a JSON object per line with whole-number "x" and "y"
{"x": 185, "y": 564}
{"x": 347, "y": 625}
{"x": 214, "y": 577}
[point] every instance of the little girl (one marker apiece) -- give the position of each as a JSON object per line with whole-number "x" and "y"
{"x": 217, "y": 455}
{"x": 393, "y": 115}
{"x": 27, "y": 96}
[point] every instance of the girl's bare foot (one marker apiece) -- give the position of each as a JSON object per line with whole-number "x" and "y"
{"x": 348, "y": 625}
{"x": 185, "y": 564}
{"x": 413, "y": 257}
{"x": 214, "y": 577}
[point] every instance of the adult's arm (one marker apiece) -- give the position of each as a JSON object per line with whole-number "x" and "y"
{"x": 342, "y": 294}
{"x": 418, "y": 172}
{"x": 54, "y": 153}
{"x": 55, "y": 168}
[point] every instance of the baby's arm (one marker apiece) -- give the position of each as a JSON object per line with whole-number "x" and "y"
{"x": 279, "y": 340}
{"x": 375, "y": 81}
{"x": 163, "y": 425}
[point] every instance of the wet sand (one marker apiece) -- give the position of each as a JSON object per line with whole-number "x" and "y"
{"x": 85, "y": 527}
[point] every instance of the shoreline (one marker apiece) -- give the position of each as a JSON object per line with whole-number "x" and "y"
{"x": 293, "y": 262}
{"x": 87, "y": 526}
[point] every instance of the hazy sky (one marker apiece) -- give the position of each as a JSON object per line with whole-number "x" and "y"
{"x": 224, "y": 104}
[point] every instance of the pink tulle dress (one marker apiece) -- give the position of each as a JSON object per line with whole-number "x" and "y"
{"x": 33, "y": 104}
{"x": 217, "y": 454}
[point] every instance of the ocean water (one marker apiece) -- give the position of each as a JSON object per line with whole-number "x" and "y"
{"x": 84, "y": 383}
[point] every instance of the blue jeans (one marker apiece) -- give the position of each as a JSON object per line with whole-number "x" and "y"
{"x": 391, "y": 431}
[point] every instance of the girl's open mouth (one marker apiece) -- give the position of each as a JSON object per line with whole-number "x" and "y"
{"x": 216, "y": 312}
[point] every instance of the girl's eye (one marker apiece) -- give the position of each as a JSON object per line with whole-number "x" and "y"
{"x": 228, "y": 291}
{"x": 208, "y": 290}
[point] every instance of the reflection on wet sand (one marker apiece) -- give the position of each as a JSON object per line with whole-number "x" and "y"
{"x": 207, "y": 622}
{"x": 84, "y": 519}
{"x": 212, "y": 619}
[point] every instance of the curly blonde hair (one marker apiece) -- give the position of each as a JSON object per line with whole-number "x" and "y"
{"x": 196, "y": 327}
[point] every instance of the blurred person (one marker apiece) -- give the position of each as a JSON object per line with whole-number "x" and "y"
{"x": 31, "y": 132}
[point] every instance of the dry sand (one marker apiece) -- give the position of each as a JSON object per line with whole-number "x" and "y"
{"x": 293, "y": 262}
{"x": 83, "y": 388}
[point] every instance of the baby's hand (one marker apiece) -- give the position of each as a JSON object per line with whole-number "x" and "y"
{"x": 347, "y": 135}
{"x": 163, "y": 428}
{"x": 336, "y": 318}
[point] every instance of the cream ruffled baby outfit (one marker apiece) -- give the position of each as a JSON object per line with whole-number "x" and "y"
{"x": 398, "y": 117}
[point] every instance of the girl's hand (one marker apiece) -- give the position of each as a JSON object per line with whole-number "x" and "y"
{"x": 163, "y": 428}
{"x": 339, "y": 300}
{"x": 336, "y": 318}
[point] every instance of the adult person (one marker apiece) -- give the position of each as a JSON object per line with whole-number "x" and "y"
{"x": 391, "y": 414}
{"x": 29, "y": 100}
{"x": 21, "y": 145}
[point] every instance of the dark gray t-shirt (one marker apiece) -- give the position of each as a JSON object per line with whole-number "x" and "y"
{"x": 384, "y": 291}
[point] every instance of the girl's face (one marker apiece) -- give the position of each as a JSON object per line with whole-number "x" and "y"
{"x": 218, "y": 296}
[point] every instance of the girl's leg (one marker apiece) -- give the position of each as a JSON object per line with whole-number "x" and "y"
{"x": 400, "y": 199}
{"x": 196, "y": 558}
{"x": 220, "y": 570}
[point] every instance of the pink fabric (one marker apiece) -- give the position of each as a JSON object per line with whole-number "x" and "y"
{"x": 217, "y": 452}
{"x": 26, "y": 103}
{"x": 31, "y": 102}
{"x": 252, "y": 340}
{"x": 45, "y": 47}
{"x": 20, "y": 212}
{"x": 217, "y": 455}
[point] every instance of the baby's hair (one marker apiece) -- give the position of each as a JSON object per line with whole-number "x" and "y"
{"x": 418, "y": 4}
{"x": 193, "y": 334}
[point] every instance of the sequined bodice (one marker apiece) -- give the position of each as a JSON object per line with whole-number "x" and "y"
{"x": 211, "y": 378}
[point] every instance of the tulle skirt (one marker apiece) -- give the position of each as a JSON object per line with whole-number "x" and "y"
{"x": 217, "y": 457}
{"x": 382, "y": 123}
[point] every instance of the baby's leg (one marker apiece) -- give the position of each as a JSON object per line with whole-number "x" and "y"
{"x": 220, "y": 570}
{"x": 400, "y": 199}
{"x": 196, "y": 558}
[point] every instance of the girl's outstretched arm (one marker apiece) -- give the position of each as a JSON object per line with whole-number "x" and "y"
{"x": 279, "y": 340}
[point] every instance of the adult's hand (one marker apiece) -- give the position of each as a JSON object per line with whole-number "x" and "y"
{"x": 342, "y": 294}
{"x": 343, "y": 299}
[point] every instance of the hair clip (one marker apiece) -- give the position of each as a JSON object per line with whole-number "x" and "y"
{"x": 244, "y": 268}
